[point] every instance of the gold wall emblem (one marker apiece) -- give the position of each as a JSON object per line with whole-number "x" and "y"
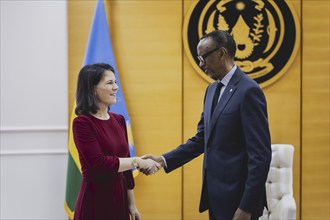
{"x": 267, "y": 34}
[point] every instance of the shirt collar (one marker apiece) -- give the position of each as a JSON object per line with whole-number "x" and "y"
{"x": 225, "y": 80}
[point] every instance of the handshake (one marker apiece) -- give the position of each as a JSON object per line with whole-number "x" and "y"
{"x": 149, "y": 164}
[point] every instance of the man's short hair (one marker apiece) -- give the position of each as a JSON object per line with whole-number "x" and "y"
{"x": 223, "y": 39}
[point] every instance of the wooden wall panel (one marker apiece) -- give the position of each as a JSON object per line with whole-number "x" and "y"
{"x": 147, "y": 45}
{"x": 194, "y": 90}
{"x": 315, "y": 117}
{"x": 80, "y": 16}
{"x": 284, "y": 110}
{"x": 193, "y": 94}
{"x": 146, "y": 37}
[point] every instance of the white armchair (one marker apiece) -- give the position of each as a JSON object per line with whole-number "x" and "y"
{"x": 281, "y": 204}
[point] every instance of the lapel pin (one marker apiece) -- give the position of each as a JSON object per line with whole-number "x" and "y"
{"x": 231, "y": 90}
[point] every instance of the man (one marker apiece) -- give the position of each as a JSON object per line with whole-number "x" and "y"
{"x": 234, "y": 137}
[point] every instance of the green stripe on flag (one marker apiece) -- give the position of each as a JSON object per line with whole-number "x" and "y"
{"x": 73, "y": 182}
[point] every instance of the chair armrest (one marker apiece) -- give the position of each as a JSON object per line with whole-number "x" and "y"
{"x": 285, "y": 209}
{"x": 265, "y": 215}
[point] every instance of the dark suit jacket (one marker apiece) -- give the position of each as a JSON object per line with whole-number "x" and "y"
{"x": 236, "y": 146}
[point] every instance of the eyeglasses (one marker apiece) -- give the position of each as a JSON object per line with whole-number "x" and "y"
{"x": 202, "y": 58}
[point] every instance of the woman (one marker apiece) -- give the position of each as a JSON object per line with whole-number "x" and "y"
{"x": 101, "y": 139}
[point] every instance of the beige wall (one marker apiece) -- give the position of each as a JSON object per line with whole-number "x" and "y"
{"x": 164, "y": 97}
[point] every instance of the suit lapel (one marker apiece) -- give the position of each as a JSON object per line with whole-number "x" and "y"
{"x": 225, "y": 98}
{"x": 227, "y": 94}
{"x": 208, "y": 105}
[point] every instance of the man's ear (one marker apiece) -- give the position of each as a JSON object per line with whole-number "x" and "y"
{"x": 223, "y": 52}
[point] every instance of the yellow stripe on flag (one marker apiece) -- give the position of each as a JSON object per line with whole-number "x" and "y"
{"x": 72, "y": 147}
{"x": 68, "y": 211}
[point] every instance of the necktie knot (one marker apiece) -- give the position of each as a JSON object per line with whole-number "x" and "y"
{"x": 216, "y": 96}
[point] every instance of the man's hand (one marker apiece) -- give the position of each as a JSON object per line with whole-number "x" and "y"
{"x": 149, "y": 166}
{"x": 241, "y": 215}
{"x": 157, "y": 159}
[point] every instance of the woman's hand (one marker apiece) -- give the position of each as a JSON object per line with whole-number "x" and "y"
{"x": 148, "y": 165}
{"x": 134, "y": 213}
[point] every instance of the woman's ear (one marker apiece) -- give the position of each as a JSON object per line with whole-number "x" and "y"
{"x": 94, "y": 91}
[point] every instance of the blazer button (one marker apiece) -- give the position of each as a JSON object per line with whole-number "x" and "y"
{"x": 208, "y": 150}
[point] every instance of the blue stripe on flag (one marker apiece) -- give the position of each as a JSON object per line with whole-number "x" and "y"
{"x": 99, "y": 50}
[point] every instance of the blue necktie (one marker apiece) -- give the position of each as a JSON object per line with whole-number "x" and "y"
{"x": 216, "y": 96}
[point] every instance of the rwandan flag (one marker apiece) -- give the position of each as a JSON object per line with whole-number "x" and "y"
{"x": 99, "y": 50}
